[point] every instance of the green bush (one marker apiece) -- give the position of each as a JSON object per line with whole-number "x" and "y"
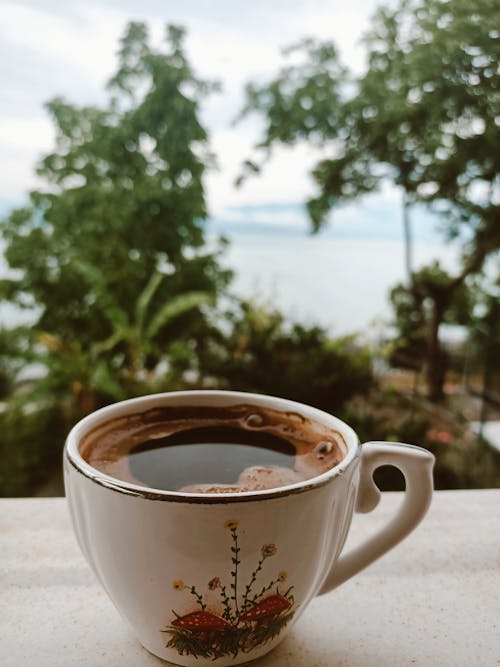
{"x": 30, "y": 447}
{"x": 462, "y": 462}
{"x": 258, "y": 351}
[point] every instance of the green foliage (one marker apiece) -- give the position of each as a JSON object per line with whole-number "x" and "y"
{"x": 462, "y": 461}
{"x": 408, "y": 347}
{"x": 412, "y": 306}
{"x": 124, "y": 364}
{"x": 305, "y": 97}
{"x": 123, "y": 192}
{"x": 136, "y": 336}
{"x": 473, "y": 465}
{"x": 30, "y": 445}
{"x": 483, "y": 350}
{"x": 110, "y": 252}
{"x": 260, "y": 352}
{"x": 423, "y": 116}
{"x": 10, "y": 362}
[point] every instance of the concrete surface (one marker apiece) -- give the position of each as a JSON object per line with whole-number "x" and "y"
{"x": 433, "y": 601}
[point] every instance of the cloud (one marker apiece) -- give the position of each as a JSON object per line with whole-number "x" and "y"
{"x": 48, "y": 48}
{"x": 344, "y": 22}
{"x": 55, "y": 50}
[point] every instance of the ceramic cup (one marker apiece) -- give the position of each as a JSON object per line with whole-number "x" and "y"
{"x": 225, "y": 577}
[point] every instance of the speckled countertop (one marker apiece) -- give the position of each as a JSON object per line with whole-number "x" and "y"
{"x": 432, "y": 601}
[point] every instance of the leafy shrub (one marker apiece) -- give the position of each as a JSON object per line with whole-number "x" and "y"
{"x": 260, "y": 352}
{"x": 30, "y": 447}
{"x": 462, "y": 462}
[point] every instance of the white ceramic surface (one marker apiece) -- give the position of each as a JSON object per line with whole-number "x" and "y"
{"x": 166, "y": 559}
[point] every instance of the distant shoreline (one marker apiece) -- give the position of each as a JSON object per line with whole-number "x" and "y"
{"x": 337, "y": 279}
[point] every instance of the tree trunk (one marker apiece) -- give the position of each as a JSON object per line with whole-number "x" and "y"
{"x": 408, "y": 241}
{"x": 435, "y": 361}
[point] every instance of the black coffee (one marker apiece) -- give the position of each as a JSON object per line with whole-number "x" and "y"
{"x": 205, "y": 449}
{"x": 211, "y": 455}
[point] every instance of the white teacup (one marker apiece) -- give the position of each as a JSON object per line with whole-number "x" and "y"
{"x": 224, "y": 577}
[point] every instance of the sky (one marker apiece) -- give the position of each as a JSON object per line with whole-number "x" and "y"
{"x": 50, "y": 48}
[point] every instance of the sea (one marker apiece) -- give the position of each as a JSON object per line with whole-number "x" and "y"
{"x": 341, "y": 284}
{"x": 337, "y": 280}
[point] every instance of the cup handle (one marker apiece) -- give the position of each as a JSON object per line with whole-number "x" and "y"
{"x": 416, "y": 465}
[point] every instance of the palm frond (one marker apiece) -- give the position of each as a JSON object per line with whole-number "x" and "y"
{"x": 145, "y": 298}
{"x": 174, "y": 308}
{"x": 108, "y": 344}
{"x": 103, "y": 380}
{"x": 105, "y": 300}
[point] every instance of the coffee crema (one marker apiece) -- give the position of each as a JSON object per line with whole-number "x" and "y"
{"x": 207, "y": 449}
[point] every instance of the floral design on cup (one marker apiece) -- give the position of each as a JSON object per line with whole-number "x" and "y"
{"x": 242, "y": 620}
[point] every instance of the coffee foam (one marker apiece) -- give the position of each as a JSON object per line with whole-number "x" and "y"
{"x": 255, "y": 478}
{"x": 318, "y": 448}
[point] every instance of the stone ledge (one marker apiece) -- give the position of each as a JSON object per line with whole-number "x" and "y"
{"x": 432, "y": 601}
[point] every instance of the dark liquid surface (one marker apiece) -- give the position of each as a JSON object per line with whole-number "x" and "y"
{"x": 212, "y": 449}
{"x": 206, "y": 455}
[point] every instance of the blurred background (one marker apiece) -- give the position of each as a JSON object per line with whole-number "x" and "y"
{"x": 289, "y": 197}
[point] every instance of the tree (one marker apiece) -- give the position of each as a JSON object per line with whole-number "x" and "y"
{"x": 124, "y": 192}
{"x": 10, "y": 362}
{"x": 83, "y": 377}
{"x": 136, "y": 337}
{"x": 423, "y": 116}
{"x": 433, "y": 298}
{"x": 483, "y": 350}
{"x": 109, "y": 254}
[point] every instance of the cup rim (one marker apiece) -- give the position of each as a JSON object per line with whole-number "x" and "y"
{"x": 208, "y": 397}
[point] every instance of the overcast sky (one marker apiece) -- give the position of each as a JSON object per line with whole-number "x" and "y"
{"x": 48, "y": 48}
